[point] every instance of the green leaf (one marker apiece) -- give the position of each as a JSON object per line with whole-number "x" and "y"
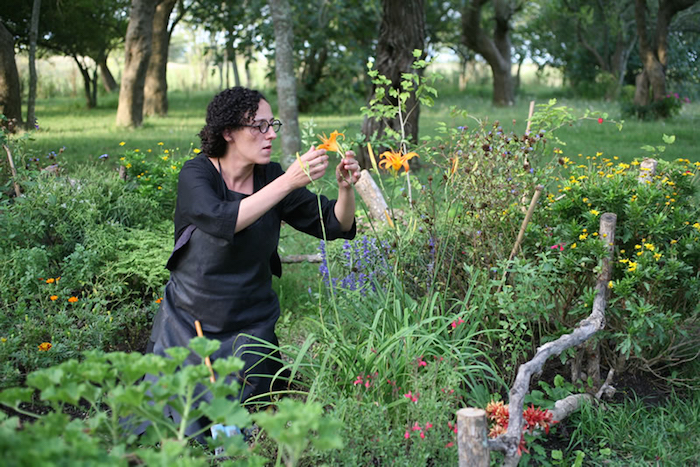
{"x": 204, "y": 347}
{"x": 669, "y": 139}
{"x": 13, "y": 396}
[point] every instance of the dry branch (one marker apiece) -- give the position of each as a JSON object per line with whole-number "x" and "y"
{"x": 315, "y": 258}
{"x": 508, "y": 442}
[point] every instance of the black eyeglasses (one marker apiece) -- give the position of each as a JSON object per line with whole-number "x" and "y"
{"x": 265, "y": 125}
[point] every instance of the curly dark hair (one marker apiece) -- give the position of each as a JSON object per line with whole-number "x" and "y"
{"x": 230, "y": 109}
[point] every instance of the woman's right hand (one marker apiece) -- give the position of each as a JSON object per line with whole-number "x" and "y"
{"x": 311, "y": 166}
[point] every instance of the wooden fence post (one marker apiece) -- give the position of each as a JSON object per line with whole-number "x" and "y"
{"x": 472, "y": 438}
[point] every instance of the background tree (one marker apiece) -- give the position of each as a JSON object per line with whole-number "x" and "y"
{"x": 156, "y": 85}
{"x": 589, "y": 40}
{"x": 653, "y": 48}
{"x": 401, "y": 32}
{"x": 137, "y": 53}
{"x": 33, "y": 33}
{"x": 10, "y": 96}
{"x": 495, "y": 50}
{"x": 286, "y": 80}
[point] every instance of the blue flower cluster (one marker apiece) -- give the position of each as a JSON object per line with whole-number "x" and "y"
{"x": 359, "y": 266}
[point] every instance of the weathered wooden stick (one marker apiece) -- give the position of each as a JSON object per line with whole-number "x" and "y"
{"x": 472, "y": 438}
{"x": 18, "y": 193}
{"x": 508, "y": 442}
{"x": 372, "y": 196}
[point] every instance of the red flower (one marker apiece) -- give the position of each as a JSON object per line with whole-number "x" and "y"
{"x": 600, "y": 120}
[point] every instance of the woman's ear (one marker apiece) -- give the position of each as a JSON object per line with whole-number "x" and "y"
{"x": 228, "y": 135}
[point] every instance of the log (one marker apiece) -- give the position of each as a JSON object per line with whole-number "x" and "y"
{"x": 472, "y": 438}
{"x": 372, "y": 196}
{"x": 315, "y": 258}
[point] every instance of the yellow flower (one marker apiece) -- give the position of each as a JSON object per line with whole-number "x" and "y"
{"x": 122, "y": 143}
{"x": 45, "y": 346}
{"x": 396, "y": 160}
{"x": 673, "y": 242}
{"x": 573, "y": 246}
{"x": 638, "y": 247}
{"x": 632, "y": 266}
{"x": 73, "y": 299}
{"x": 657, "y": 256}
{"x": 331, "y": 143}
{"x": 128, "y": 166}
{"x": 649, "y": 246}
{"x": 611, "y": 284}
{"x": 160, "y": 144}
{"x": 166, "y": 152}
{"x": 3, "y": 339}
{"x": 594, "y": 212}
{"x": 196, "y": 150}
{"x": 53, "y": 298}
{"x": 137, "y": 150}
{"x": 583, "y": 236}
{"x": 165, "y": 158}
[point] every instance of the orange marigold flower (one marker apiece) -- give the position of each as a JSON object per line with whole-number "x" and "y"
{"x": 45, "y": 346}
{"x": 53, "y": 298}
{"x": 159, "y": 300}
{"x": 73, "y": 299}
{"x": 331, "y": 143}
{"x": 396, "y": 160}
{"x": 50, "y": 280}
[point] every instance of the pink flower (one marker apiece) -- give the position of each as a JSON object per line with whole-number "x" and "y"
{"x": 456, "y": 323}
{"x": 358, "y": 381}
{"x": 407, "y": 435}
{"x": 428, "y": 425}
{"x": 411, "y": 396}
{"x": 422, "y": 435}
{"x": 416, "y": 427}
{"x": 450, "y": 444}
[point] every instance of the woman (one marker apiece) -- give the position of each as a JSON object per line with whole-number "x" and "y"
{"x": 230, "y": 203}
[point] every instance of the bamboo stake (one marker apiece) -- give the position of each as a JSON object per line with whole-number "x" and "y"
{"x": 529, "y": 117}
{"x": 523, "y": 226}
{"x": 18, "y": 193}
{"x": 207, "y": 360}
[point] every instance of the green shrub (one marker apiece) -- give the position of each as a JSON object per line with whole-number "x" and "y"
{"x": 667, "y": 107}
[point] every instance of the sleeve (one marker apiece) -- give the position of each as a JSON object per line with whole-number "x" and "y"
{"x": 300, "y": 209}
{"x": 200, "y": 203}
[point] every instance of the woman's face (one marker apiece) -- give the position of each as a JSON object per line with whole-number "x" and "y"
{"x": 248, "y": 144}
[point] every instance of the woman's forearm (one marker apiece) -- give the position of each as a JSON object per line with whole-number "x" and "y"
{"x": 345, "y": 207}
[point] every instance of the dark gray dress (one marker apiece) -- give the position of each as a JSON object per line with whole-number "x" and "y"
{"x": 225, "y": 280}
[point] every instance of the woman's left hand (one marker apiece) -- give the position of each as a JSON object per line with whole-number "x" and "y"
{"x": 348, "y": 171}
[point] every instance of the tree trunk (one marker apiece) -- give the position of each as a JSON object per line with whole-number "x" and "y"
{"x": 137, "y": 53}
{"x": 108, "y": 81}
{"x": 654, "y": 51}
{"x": 33, "y": 34}
{"x": 402, "y": 31}
{"x": 10, "y": 96}
{"x": 286, "y": 80}
{"x": 497, "y": 50}
{"x": 90, "y": 96}
{"x": 156, "y": 86}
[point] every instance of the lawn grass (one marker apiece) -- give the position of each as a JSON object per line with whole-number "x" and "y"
{"x": 87, "y": 134}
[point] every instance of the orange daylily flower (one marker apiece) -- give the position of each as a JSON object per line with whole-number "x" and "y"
{"x": 331, "y": 143}
{"x": 396, "y": 160}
